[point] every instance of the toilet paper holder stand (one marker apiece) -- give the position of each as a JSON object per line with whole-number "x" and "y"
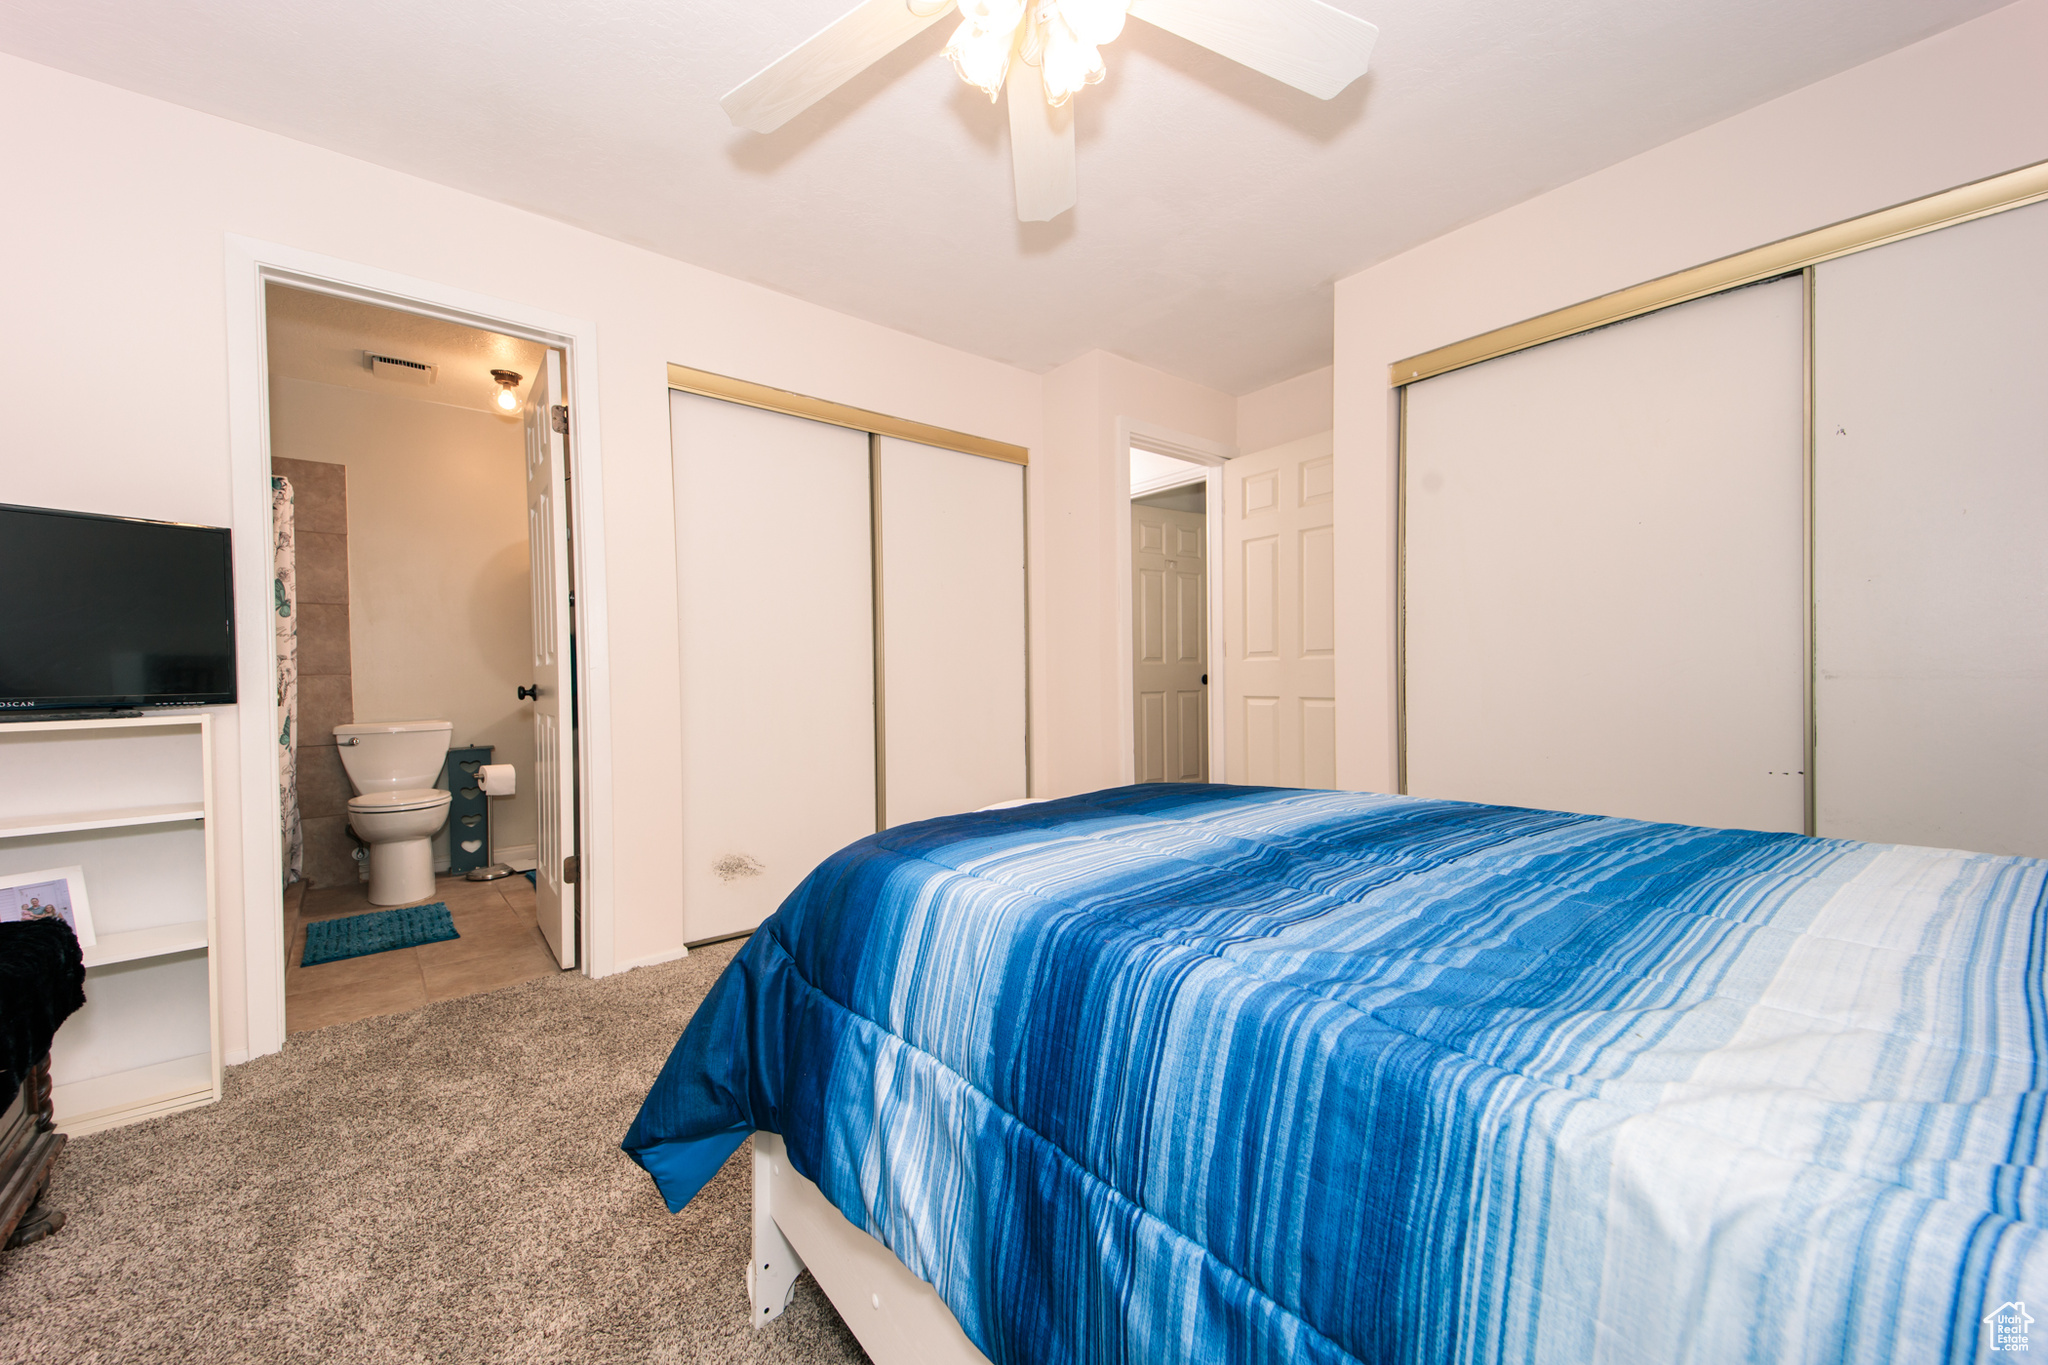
{"x": 489, "y": 872}
{"x": 470, "y": 798}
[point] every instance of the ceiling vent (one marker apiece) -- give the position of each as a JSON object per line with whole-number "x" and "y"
{"x": 393, "y": 367}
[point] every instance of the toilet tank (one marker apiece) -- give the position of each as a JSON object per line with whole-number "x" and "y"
{"x": 392, "y": 755}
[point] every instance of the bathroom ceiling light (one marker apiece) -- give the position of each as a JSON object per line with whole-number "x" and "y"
{"x": 508, "y": 385}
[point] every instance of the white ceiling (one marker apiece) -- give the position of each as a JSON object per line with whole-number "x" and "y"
{"x": 1149, "y": 470}
{"x": 322, "y": 338}
{"x": 1217, "y": 206}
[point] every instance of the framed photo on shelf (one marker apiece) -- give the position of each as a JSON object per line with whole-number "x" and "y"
{"x": 53, "y": 893}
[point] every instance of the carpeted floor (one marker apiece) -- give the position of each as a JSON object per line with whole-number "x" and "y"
{"x": 444, "y": 1185}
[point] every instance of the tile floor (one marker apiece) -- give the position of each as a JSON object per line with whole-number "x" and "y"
{"x": 499, "y": 946}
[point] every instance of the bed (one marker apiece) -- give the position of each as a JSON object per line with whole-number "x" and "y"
{"x": 1232, "y": 1074}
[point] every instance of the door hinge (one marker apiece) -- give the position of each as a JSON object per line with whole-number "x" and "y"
{"x": 569, "y": 870}
{"x": 558, "y": 418}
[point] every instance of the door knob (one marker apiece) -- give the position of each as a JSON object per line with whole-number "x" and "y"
{"x": 528, "y": 693}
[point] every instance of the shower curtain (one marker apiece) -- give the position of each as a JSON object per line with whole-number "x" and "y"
{"x": 291, "y": 838}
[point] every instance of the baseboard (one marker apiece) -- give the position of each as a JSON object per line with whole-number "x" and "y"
{"x": 652, "y": 960}
{"x": 518, "y": 857}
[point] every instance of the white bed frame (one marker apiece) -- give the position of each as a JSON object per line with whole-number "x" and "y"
{"x": 897, "y": 1318}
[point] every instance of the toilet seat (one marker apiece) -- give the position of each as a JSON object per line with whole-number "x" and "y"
{"x": 391, "y": 803}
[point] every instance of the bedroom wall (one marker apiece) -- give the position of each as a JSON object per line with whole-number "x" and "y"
{"x": 115, "y": 300}
{"x": 1077, "y": 500}
{"x": 1966, "y": 104}
{"x": 1302, "y": 406}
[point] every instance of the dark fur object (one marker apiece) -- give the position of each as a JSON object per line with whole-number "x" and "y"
{"x": 42, "y": 981}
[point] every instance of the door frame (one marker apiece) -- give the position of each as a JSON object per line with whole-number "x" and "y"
{"x": 251, "y": 266}
{"x": 1160, "y": 440}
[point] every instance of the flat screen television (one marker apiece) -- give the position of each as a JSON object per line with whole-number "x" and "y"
{"x": 110, "y": 613}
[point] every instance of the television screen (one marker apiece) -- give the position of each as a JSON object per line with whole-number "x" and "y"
{"x": 106, "y": 612}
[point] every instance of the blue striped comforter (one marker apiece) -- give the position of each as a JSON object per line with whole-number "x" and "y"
{"x": 1236, "y": 1074}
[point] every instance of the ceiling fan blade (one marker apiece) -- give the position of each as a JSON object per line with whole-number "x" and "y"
{"x": 824, "y": 62}
{"x": 1041, "y": 147}
{"x": 1306, "y": 43}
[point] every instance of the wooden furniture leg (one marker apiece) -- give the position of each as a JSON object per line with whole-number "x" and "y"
{"x": 29, "y": 1146}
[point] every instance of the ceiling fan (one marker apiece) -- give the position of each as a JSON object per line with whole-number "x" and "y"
{"x": 1046, "y": 50}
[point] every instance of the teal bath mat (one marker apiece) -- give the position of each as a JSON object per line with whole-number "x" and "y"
{"x": 331, "y": 940}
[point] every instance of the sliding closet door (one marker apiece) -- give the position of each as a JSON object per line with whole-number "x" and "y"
{"x": 952, "y": 590}
{"x": 1604, "y": 570}
{"x": 1931, "y": 538}
{"x": 776, "y": 606}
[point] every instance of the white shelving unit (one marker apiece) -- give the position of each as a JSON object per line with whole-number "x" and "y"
{"x": 131, "y": 802}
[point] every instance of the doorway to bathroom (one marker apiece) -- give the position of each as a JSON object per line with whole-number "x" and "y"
{"x": 425, "y": 619}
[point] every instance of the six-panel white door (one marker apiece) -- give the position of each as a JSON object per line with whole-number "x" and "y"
{"x": 554, "y": 749}
{"x": 1280, "y": 615}
{"x": 1169, "y": 630}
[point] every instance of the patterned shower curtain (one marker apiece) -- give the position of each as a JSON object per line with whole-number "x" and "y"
{"x": 291, "y": 837}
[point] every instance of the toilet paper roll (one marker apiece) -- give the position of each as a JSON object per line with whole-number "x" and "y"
{"x": 497, "y": 779}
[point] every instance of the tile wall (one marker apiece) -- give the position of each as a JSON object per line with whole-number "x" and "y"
{"x": 326, "y": 696}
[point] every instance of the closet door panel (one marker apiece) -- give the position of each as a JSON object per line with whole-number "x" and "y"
{"x": 775, "y": 594}
{"x": 1604, "y": 587}
{"x": 952, "y": 566}
{"x": 1930, "y": 555}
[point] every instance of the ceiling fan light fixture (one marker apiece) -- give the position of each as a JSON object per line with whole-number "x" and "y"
{"x": 1062, "y": 37}
{"x": 1069, "y": 61}
{"x": 1048, "y": 50}
{"x": 984, "y": 42}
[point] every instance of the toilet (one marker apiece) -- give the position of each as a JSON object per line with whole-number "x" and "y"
{"x": 392, "y": 766}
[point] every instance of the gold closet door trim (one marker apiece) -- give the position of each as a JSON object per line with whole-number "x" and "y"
{"x": 839, "y": 414}
{"x": 1977, "y": 200}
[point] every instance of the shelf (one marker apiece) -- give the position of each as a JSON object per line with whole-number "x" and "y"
{"x": 180, "y": 720}
{"x": 161, "y": 941}
{"x": 126, "y": 1096}
{"x": 25, "y": 826}
{"x": 129, "y": 800}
